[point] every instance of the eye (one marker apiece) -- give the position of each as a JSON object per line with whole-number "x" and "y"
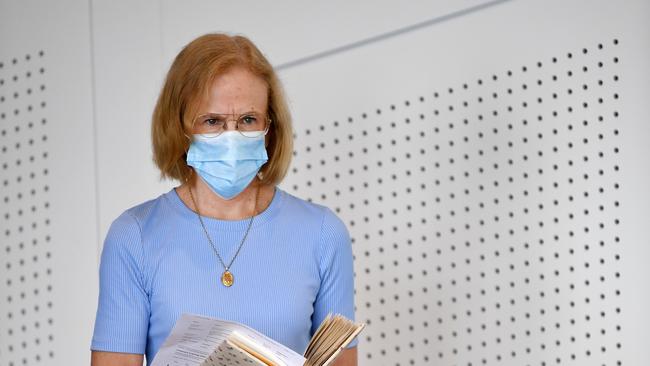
{"x": 212, "y": 121}
{"x": 249, "y": 120}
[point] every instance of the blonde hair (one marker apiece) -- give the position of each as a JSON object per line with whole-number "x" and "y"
{"x": 187, "y": 84}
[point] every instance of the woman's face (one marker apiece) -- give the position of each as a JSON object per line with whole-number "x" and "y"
{"x": 235, "y": 92}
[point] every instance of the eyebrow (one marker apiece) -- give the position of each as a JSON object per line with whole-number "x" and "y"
{"x": 230, "y": 114}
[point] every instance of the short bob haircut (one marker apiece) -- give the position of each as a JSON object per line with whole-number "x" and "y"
{"x": 187, "y": 85}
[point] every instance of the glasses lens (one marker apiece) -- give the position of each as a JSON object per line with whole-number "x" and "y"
{"x": 251, "y": 122}
{"x": 210, "y": 123}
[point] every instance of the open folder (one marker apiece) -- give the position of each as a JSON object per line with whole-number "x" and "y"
{"x": 198, "y": 340}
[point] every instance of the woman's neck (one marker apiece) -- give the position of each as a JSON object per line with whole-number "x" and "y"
{"x": 211, "y": 205}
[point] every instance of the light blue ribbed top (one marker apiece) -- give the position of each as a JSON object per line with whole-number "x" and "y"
{"x": 156, "y": 263}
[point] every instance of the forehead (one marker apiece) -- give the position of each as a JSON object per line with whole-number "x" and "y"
{"x": 234, "y": 91}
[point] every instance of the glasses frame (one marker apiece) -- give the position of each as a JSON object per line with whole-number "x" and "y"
{"x": 267, "y": 124}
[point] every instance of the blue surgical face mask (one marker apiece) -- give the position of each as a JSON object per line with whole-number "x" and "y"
{"x": 228, "y": 162}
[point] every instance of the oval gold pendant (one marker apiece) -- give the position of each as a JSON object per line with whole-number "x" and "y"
{"x": 227, "y": 279}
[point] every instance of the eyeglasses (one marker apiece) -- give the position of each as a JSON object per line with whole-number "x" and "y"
{"x": 249, "y": 124}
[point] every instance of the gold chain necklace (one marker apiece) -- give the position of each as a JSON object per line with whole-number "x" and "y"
{"x": 227, "y": 278}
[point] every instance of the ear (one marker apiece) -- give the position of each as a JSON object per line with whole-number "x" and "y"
{"x": 267, "y": 138}
{"x": 189, "y": 142}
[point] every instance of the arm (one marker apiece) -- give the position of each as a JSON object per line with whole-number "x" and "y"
{"x": 347, "y": 358}
{"x": 122, "y": 320}
{"x": 336, "y": 292}
{"x": 100, "y": 358}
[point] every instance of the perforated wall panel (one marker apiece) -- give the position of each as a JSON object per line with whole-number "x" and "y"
{"x": 26, "y": 282}
{"x": 48, "y": 236}
{"x": 487, "y": 157}
{"x": 484, "y": 215}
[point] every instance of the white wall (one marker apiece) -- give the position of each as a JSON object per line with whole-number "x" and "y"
{"x": 512, "y": 262}
{"x": 48, "y": 280}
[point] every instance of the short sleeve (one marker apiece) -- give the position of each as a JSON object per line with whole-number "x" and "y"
{"x": 122, "y": 319}
{"x": 336, "y": 292}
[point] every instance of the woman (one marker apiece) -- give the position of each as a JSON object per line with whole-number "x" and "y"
{"x": 226, "y": 242}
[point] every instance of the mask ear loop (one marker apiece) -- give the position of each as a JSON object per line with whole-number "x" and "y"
{"x": 188, "y": 138}
{"x": 259, "y": 173}
{"x": 269, "y": 127}
{"x": 185, "y": 134}
{"x": 187, "y": 149}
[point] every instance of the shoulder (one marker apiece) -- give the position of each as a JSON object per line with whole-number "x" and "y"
{"x": 148, "y": 211}
{"x": 134, "y": 220}
{"x": 145, "y": 210}
{"x": 332, "y": 236}
{"x": 308, "y": 210}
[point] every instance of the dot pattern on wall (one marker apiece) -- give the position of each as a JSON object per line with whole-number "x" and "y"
{"x": 484, "y": 215}
{"x": 26, "y": 322}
